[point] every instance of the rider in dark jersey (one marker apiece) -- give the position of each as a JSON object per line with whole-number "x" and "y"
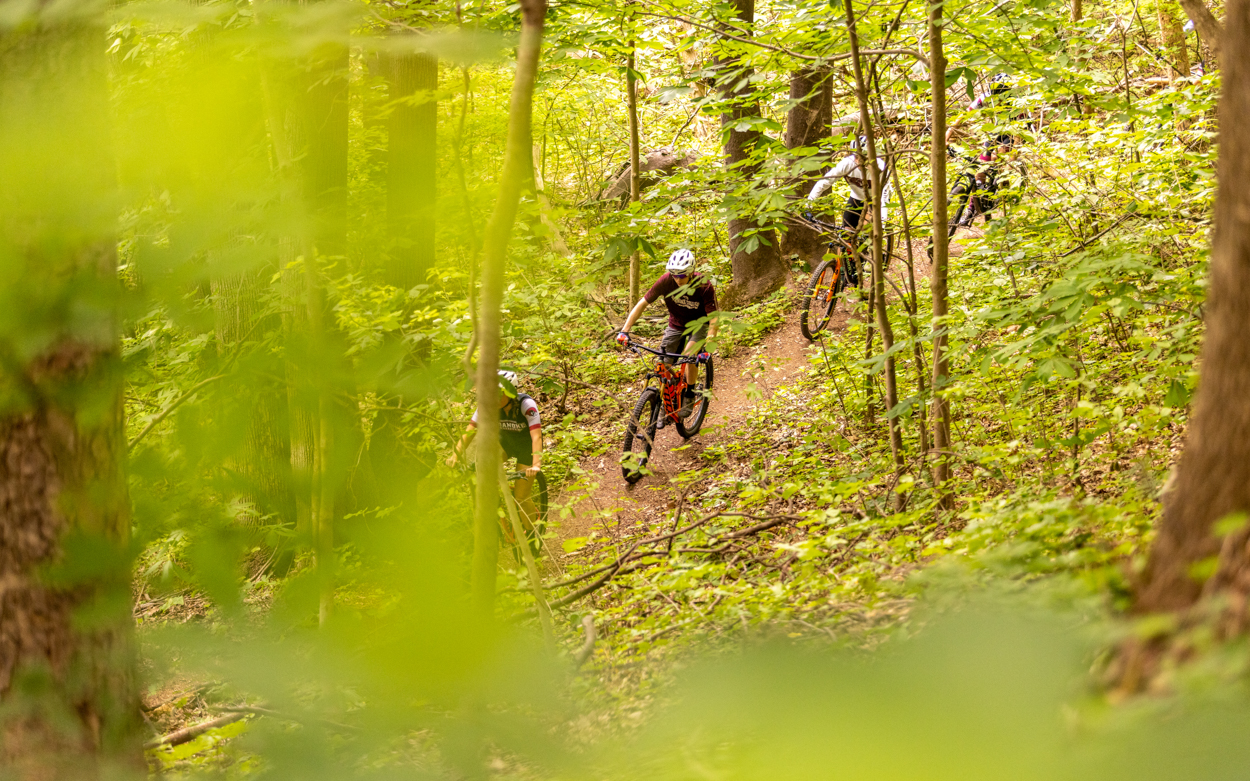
{"x": 998, "y": 148}
{"x": 520, "y": 435}
{"x": 690, "y": 298}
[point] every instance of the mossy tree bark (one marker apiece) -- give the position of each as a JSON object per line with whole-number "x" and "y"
{"x": 808, "y": 123}
{"x": 872, "y": 206}
{"x": 754, "y": 252}
{"x": 411, "y": 179}
{"x": 1212, "y": 478}
{"x": 940, "y": 416}
{"x": 68, "y": 691}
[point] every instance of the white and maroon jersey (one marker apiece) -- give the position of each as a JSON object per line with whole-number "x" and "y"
{"x": 519, "y": 415}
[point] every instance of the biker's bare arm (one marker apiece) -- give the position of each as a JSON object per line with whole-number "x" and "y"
{"x": 634, "y": 314}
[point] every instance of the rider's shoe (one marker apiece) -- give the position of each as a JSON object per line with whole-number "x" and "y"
{"x": 687, "y": 404}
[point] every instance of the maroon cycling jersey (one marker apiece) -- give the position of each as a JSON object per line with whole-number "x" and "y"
{"x": 697, "y": 298}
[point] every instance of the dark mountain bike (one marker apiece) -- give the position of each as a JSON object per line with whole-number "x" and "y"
{"x": 979, "y": 187}
{"x": 974, "y": 192}
{"x": 839, "y": 270}
{"x": 659, "y": 406}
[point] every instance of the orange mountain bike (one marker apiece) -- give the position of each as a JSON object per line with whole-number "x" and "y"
{"x": 839, "y": 270}
{"x": 657, "y": 407}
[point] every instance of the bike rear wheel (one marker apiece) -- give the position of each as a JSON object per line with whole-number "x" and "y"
{"x": 959, "y": 195}
{"x": 689, "y": 426}
{"x": 640, "y": 435}
{"x": 821, "y": 298}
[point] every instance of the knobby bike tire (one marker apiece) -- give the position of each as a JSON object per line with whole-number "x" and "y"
{"x": 822, "y": 291}
{"x": 961, "y": 195}
{"x": 689, "y": 426}
{"x": 640, "y": 435}
{"x": 540, "y": 502}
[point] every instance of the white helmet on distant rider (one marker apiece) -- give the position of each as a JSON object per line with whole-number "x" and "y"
{"x": 680, "y": 262}
{"x": 860, "y": 144}
{"x": 508, "y": 387}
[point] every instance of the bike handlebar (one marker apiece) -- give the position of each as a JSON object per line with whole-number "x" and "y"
{"x": 680, "y": 359}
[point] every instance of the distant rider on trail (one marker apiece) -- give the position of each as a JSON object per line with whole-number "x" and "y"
{"x": 997, "y": 149}
{"x": 520, "y": 435}
{"x": 850, "y": 169}
{"x": 689, "y": 297}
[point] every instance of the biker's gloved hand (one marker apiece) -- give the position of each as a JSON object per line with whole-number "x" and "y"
{"x": 703, "y": 357}
{"x": 622, "y": 338}
{"x": 807, "y": 214}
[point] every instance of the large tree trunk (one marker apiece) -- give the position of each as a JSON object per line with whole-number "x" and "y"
{"x": 754, "y": 254}
{"x": 1173, "y": 38}
{"x": 1212, "y": 479}
{"x": 1206, "y": 24}
{"x": 941, "y": 414}
{"x": 411, "y": 170}
{"x": 308, "y": 129}
{"x": 68, "y": 694}
{"x": 516, "y": 165}
{"x": 807, "y": 124}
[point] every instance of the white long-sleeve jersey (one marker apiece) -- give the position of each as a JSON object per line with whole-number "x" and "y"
{"x": 848, "y": 169}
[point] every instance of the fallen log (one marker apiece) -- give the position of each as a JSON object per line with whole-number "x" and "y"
{"x": 663, "y": 161}
{"x": 189, "y": 733}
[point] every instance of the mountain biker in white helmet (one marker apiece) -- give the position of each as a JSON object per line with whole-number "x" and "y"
{"x": 691, "y": 302}
{"x": 520, "y": 436}
{"x": 848, "y": 168}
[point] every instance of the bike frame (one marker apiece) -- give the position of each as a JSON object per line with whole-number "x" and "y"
{"x": 672, "y": 378}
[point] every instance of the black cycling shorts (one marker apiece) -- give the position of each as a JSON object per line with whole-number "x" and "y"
{"x": 853, "y": 214}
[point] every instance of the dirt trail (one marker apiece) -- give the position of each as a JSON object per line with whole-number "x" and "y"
{"x": 742, "y": 383}
{"x": 777, "y": 360}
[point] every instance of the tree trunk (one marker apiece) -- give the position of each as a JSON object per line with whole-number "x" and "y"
{"x": 494, "y": 255}
{"x": 307, "y": 118}
{"x": 1077, "y": 11}
{"x": 1173, "y": 38}
{"x": 1206, "y": 24}
{"x": 876, "y": 186}
{"x": 1212, "y": 478}
{"x": 411, "y": 177}
{"x": 324, "y": 165}
{"x": 635, "y": 165}
{"x": 263, "y": 461}
{"x": 941, "y": 414}
{"x": 754, "y": 254}
{"x": 807, "y": 124}
{"x": 69, "y": 705}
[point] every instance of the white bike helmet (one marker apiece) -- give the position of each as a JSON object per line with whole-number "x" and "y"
{"x": 860, "y": 143}
{"x": 680, "y": 262}
{"x": 511, "y": 378}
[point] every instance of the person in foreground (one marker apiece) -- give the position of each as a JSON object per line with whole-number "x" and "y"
{"x": 690, "y": 298}
{"x": 520, "y": 435}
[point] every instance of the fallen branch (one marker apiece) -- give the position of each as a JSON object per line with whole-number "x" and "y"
{"x": 187, "y": 734}
{"x": 633, "y": 554}
{"x": 589, "y": 646}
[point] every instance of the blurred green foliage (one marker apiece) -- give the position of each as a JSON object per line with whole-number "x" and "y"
{"x": 273, "y": 377}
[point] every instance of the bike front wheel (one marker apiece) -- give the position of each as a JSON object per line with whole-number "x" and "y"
{"x": 640, "y": 435}
{"x": 821, "y": 298}
{"x": 689, "y": 426}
